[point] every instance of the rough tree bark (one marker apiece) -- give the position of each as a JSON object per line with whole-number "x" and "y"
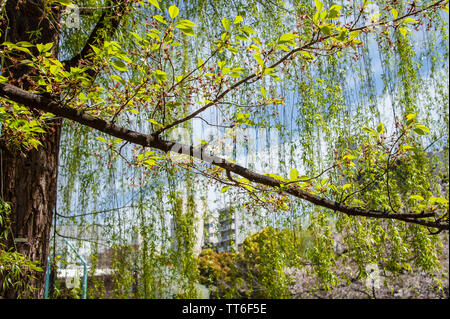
{"x": 29, "y": 179}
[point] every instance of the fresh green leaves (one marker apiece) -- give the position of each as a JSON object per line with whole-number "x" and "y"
{"x": 293, "y": 174}
{"x": 238, "y": 19}
{"x": 319, "y": 5}
{"x": 334, "y": 12}
{"x": 421, "y": 129}
{"x": 287, "y": 38}
{"x": 186, "y": 26}
{"x": 119, "y": 65}
{"x": 44, "y": 47}
{"x": 160, "y": 19}
{"x": 155, "y": 3}
{"x": 394, "y": 13}
{"x": 226, "y": 24}
{"x": 160, "y": 75}
{"x": 173, "y": 12}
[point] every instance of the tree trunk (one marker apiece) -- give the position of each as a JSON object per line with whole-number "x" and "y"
{"x": 29, "y": 179}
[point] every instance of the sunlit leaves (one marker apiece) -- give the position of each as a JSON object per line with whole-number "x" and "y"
{"x": 288, "y": 38}
{"x": 160, "y": 19}
{"x": 417, "y": 197}
{"x": 237, "y": 20}
{"x": 380, "y": 128}
{"x": 403, "y": 31}
{"x": 226, "y": 24}
{"x": 224, "y": 189}
{"x": 293, "y": 174}
{"x": 394, "y": 13}
{"x": 160, "y": 75}
{"x": 319, "y": 5}
{"x": 173, "y": 12}
{"x": 263, "y": 91}
{"x": 346, "y": 186}
{"x": 334, "y": 11}
{"x": 421, "y": 129}
{"x": 243, "y": 118}
{"x": 155, "y": 122}
{"x": 306, "y": 54}
{"x": 44, "y": 47}
{"x": 155, "y": 3}
{"x": 148, "y": 159}
{"x": 186, "y": 26}
{"x": 119, "y": 65}
{"x": 410, "y": 118}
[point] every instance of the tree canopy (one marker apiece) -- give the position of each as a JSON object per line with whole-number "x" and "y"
{"x": 349, "y": 99}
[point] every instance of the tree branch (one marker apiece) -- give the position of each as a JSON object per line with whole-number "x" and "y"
{"x": 109, "y": 22}
{"x": 46, "y": 104}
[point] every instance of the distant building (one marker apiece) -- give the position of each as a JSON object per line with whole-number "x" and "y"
{"x": 226, "y": 229}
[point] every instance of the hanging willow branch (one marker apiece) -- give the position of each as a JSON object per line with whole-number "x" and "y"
{"x": 46, "y": 104}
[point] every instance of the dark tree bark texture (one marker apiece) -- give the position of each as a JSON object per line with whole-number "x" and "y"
{"x": 29, "y": 179}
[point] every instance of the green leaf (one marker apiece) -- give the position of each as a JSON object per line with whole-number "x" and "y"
{"x": 258, "y": 59}
{"x": 380, "y": 128}
{"x": 439, "y": 200}
{"x": 348, "y": 157}
{"x": 421, "y": 129}
{"x": 173, "y": 11}
{"x": 403, "y": 31}
{"x": 284, "y": 47}
{"x": 64, "y": 2}
{"x": 410, "y": 20}
{"x": 101, "y": 139}
{"x": 408, "y": 147}
{"x": 246, "y": 30}
{"x": 319, "y": 5}
{"x": 293, "y": 174}
{"x": 160, "y": 75}
{"x": 117, "y": 78}
{"x": 199, "y": 62}
{"x": 237, "y": 20}
{"x": 221, "y": 64}
{"x": 44, "y": 47}
{"x": 346, "y": 186}
{"x": 416, "y": 197}
{"x": 153, "y": 121}
{"x": 187, "y": 23}
{"x": 187, "y": 30}
{"x": 263, "y": 92}
{"x": 369, "y": 130}
{"x": 119, "y": 65}
{"x": 287, "y": 37}
{"x": 155, "y": 3}
{"x": 341, "y": 36}
{"x": 307, "y": 54}
{"x": 334, "y": 11}
{"x": 326, "y": 30}
{"x": 394, "y": 13}
{"x": 410, "y": 118}
{"x": 160, "y": 18}
{"x": 226, "y": 23}
{"x": 224, "y": 189}
{"x": 242, "y": 116}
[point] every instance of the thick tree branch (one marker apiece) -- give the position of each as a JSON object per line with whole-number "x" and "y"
{"x": 43, "y": 103}
{"x": 105, "y": 27}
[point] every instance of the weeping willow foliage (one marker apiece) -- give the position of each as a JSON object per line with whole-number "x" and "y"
{"x": 150, "y": 218}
